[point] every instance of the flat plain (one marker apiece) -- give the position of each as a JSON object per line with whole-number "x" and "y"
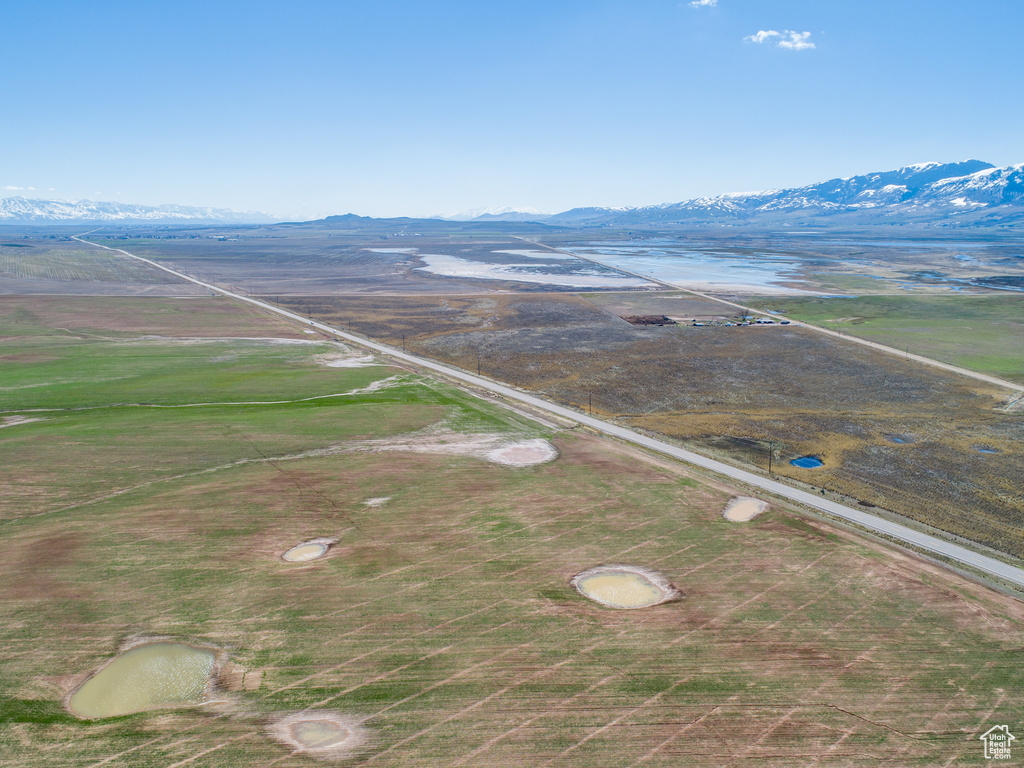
{"x": 443, "y": 615}
{"x": 161, "y": 454}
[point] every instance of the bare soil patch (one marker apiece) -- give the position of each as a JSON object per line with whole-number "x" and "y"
{"x": 504, "y": 449}
{"x": 742, "y": 509}
{"x": 322, "y": 734}
{"x": 313, "y": 549}
{"x": 625, "y": 586}
{"x": 13, "y": 421}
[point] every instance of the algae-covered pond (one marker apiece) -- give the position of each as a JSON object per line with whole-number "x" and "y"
{"x": 146, "y": 677}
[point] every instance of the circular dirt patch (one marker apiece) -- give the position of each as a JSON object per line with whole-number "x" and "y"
{"x": 322, "y": 734}
{"x": 743, "y": 508}
{"x": 525, "y": 453}
{"x": 307, "y": 550}
{"x": 625, "y": 586}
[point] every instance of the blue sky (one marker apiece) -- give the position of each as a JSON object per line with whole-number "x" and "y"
{"x": 308, "y": 108}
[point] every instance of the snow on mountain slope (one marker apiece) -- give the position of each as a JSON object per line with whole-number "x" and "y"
{"x": 931, "y": 192}
{"x": 21, "y": 210}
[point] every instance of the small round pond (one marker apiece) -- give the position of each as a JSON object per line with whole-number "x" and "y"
{"x": 150, "y": 676}
{"x": 308, "y": 550}
{"x": 808, "y": 462}
{"x": 624, "y": 586}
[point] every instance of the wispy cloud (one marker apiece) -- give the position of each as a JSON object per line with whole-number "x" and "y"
{"x": 704, "y": 3}
{"x": 793, "y": 41}
{"x": 12, "y": 188}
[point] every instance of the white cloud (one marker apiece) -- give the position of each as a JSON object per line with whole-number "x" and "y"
{"x": 793, "y": 41}
{"x": 704, "y": 3}
{"x": 797, "y": 41}
{"x": 763, "y": 36}
{"x": 12, "y": 188}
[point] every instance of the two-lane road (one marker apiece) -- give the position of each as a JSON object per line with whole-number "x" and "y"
{"x": 902, "y": 533}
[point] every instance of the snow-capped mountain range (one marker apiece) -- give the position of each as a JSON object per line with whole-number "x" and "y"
{"x": 21, "y": 210}
{"x": 967, "y": 193}
{"x": 970, "y": 193}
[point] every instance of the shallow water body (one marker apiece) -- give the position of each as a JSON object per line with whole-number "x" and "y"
{"x": 685, "y": 266}
{"x": 808, "y": 462}
{"x": 146, "y": 677}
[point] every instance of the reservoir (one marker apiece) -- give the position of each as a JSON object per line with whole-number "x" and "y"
{"x": 146, "y": 677}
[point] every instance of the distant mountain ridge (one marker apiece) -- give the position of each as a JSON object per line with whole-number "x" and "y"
{"x": 972, "y": 193}
{"x": 21, "y": 210}
{"x": 497, "y": 214}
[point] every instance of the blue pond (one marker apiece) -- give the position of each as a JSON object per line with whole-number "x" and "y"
{"x": 808, "y": 462}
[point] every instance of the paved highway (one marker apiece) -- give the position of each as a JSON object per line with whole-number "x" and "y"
{"x": 902, "y": 533}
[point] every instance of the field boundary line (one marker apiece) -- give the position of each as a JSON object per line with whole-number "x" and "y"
{"x": 208, "y": 751}
{"x": 677, "y": 734}
{"x": 612, "y": 723}
{"x": 526, "y": 723}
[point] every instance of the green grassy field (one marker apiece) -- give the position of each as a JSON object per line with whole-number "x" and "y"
{"x": 981, "y": 333}
{"x": 443, "y": 616}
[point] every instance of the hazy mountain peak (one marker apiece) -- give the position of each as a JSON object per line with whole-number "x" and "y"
{"x": 495, "y": 213}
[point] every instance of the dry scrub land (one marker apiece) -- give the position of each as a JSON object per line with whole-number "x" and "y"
{"x": 443, "y": 616}
{"x": 892, "y": 433}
